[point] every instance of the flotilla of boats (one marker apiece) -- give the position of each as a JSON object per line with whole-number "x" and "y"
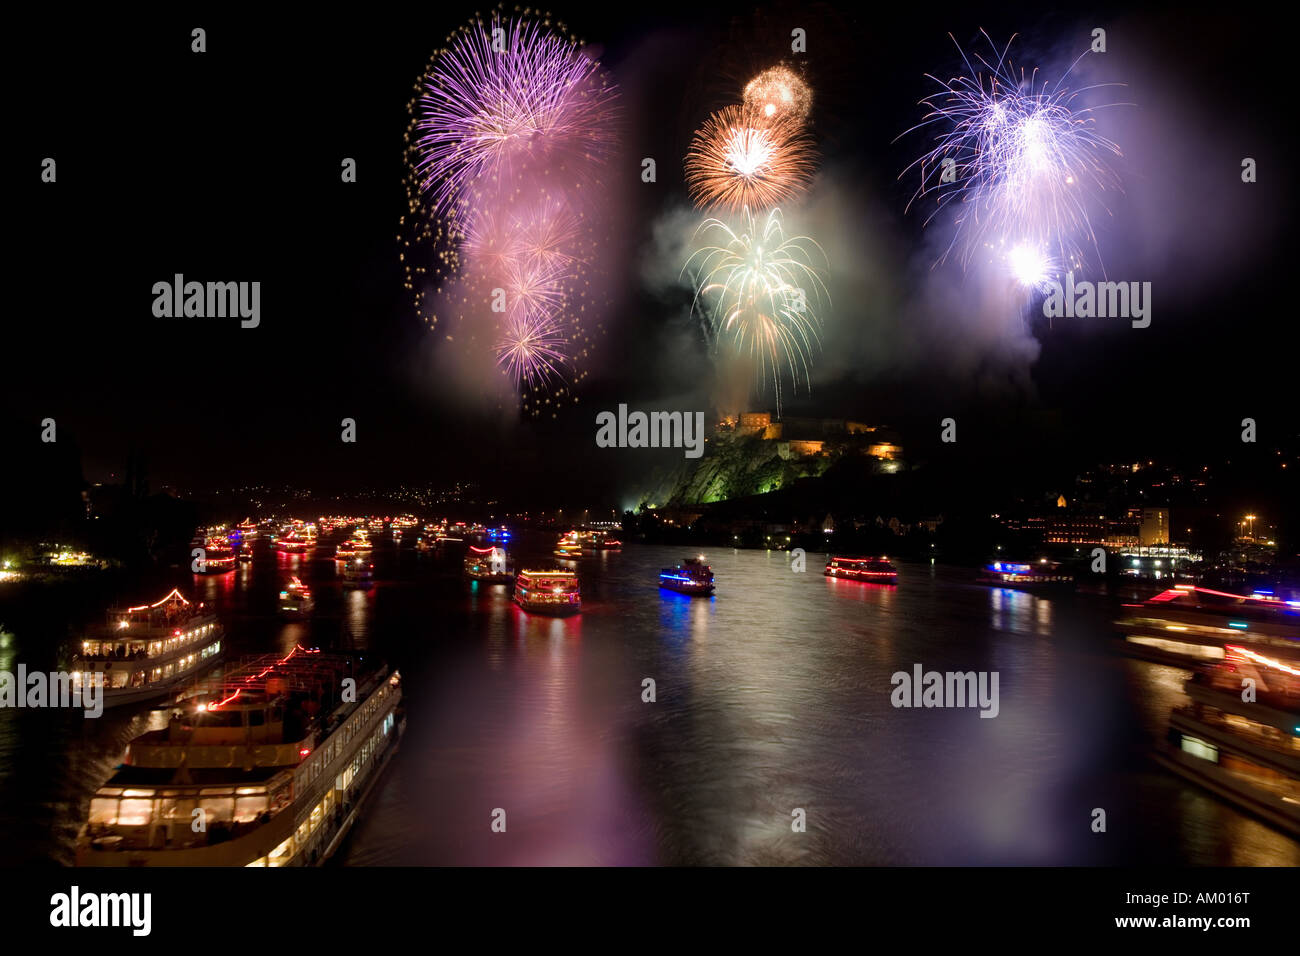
{"x": 282, "y": 767}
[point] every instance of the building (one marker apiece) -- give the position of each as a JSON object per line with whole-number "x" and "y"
{"x": 1154, "y": 527}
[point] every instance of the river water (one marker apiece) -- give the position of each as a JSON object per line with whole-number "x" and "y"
{"x": 772, "y": 697}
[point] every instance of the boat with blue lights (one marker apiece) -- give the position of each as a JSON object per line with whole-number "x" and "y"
{"x": 1043, "y": 575}
{"x": 692, "y": 577}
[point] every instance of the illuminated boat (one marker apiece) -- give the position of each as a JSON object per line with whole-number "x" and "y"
{"x": 218, "y": 557}
{"x": 568, "y": 547}
{"x": 358, "y": 573}
{"x": 600, "y": 541}
{"x": 1187, "y": 623}
{"x": 1247, "y": 752}
{"x": 147, "y": 652}
{"x": 244, "y": 555}
{"x": 297, "y": 541}
{"x": 875, "y": 570}
{"x": 247, "y": 528}
{"x": 1045, "y": 575}
{"x": 277, "y": 763}
{"x": 692, "y": 577}
{"x": 296, "y": 597}
{"x": 548, "y": 592}
{"x": 488, "y": 565}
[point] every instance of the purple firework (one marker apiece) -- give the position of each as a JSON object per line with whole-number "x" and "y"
{"x": 510, "y": 104}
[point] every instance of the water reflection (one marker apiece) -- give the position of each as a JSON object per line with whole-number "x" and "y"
{"x": 771, "y": 696}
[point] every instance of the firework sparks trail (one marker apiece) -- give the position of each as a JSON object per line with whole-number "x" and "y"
{"x": 760, "y": 291}
{"x": 740, "y": 158}
{"x": 1023, "y": 161}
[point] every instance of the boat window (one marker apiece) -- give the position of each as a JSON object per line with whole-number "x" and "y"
{"x": 256, "y": 718}
{"x": 216, "y": 809}
{"x": 281, "y": 854}
{"x": 134, "y": 813}
{"x": 103, "y": 811}
{"x": 248, "y": 809}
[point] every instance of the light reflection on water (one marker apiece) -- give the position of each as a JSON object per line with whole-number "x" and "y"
{"x": 771, "y": 696}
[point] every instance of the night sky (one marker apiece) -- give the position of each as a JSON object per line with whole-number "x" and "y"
{"x": 225, "y": 166}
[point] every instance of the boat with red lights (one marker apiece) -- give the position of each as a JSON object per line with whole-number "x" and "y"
{"x": 1246, "y": 751}
{"x": 1042, "y": 575}
{"x": 692, "y": 577}
{"x": 146, "y": 652}
{"x": 277, "y": 761}
{"x": 296, "y": 597}
{"x": 489, "y": 565}
{"x": 548, "y": 592}
{"x": 297, "y": 541}
{"x": 569, "y": 546}
{"x": 1192, "y": 624}
{"x": 218, "y": 557}
{"x": 875, "y": 570}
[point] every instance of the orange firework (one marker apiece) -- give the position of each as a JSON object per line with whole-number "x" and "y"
{"x": 779, "y": 90}
{"x": 741, "y": 158}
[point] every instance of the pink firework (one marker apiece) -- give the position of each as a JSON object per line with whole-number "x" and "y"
{"x": 533, "y": 350}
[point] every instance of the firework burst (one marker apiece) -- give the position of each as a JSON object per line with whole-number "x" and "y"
{"x": 740, "y": 159}
{"x": 778, "y": 91}
{"x": 512, "y": 126}
{"x": 533, "y": 350}
{"x": 1021, "y": 157}
{"x": 760, "y": 291}
{"x": 506, "y": 102}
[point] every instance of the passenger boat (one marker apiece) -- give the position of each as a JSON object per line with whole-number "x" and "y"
{"x": 247, "y": 528}
{"x": 147, "y": 652}
{"x": 568, "y": 547}
{"x": 875, "y": 570}
{"x": 357, "y": 546}
{"x": 548, "y": 592}
{"x": 296, "y": 597}
{"x": 218, "y": 557}
{"x": 358, "y": 573}
{"x": 1247, "y": 752}
{"x": 298, "y": 541}
{"x": 1045, "y": 575}
{"x": 1191, "y": 624}
{"x": 277, "y": 763}
{"x": 600, "y": 541}
{"x": 692, "y": 577}
{"x": 245, "y": 554}
{"x": 488, "y": 565}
